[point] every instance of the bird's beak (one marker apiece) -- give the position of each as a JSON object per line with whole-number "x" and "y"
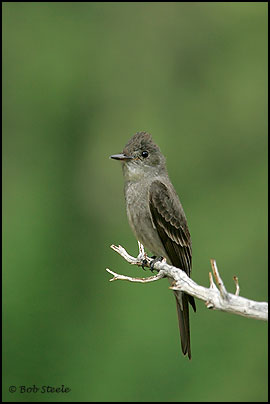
{"x": 121, "y": 157}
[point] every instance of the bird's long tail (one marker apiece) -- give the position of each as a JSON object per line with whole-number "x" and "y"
{"x": 183, "y": 321}
{"x": 182, "y": 301}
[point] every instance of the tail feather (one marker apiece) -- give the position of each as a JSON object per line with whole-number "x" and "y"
{"x": 183, "y": 321}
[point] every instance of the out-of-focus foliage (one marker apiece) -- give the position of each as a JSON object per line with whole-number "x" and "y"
{"x": 78, "y": 80}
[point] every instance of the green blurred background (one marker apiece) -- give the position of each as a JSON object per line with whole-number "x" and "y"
{"x": 78, "y": 80}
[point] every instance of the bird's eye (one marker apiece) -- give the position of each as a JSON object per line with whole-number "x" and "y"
{"x": 145, "y": 154}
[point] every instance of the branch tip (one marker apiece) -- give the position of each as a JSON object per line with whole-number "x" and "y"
{"x": 218, "y": 279}
{"x": 237, "y": 291}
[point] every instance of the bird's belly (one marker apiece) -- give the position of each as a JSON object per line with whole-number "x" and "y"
{"x": 140, "y": 220}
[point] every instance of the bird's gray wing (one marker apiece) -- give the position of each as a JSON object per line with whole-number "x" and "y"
{"x": 169, "y": 219}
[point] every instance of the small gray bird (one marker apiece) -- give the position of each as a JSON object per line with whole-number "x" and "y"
{"x": 156, "y": 215}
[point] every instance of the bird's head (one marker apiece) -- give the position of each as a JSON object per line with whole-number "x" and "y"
{"x": 140, "y": 157}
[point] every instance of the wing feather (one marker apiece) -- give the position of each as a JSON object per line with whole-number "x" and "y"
{"x": 170, "y": 221}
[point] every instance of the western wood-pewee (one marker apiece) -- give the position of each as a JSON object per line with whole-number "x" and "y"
{"x": 156, "y": 215}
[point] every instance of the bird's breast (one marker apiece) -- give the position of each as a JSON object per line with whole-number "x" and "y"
{"x": 140, "y": 218}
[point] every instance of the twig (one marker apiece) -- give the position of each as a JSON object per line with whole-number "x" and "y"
{"x": 237, "y": 285}
{"x": 214, "y": 298}
{"x": 130, "y": 279}
{"x": 219, "y": 281}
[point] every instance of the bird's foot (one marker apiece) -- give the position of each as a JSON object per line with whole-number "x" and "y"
{"x": 154, "y": 260}
{"x": 144, "y": 262}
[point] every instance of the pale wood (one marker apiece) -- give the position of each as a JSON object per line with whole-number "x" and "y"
{"x": 216, "y": 298}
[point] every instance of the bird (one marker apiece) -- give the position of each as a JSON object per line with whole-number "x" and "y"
{"x": 156, "y": 216}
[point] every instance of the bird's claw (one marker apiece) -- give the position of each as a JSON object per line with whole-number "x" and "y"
{"x": 153, "y": 262}
{"x": 144, "y": 262}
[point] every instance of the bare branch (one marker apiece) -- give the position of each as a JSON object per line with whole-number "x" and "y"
{"x": 214, "y": 298}
{"x": 218, "y": 279}
{"x": 237, "y": 285}
{"x": 131, "y": 279}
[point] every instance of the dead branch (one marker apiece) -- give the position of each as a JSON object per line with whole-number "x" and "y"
{"x": 216, "y": 298}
